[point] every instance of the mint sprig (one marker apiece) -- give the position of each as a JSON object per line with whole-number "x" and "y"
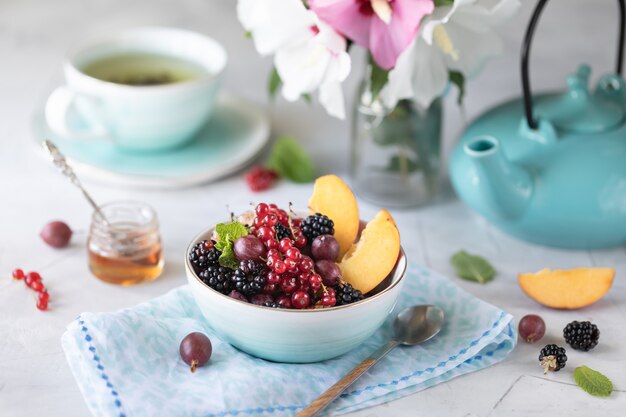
{"x": 227, "y": 234}
{"x": 593, "y": 382}
{"x": 289, "y": 160}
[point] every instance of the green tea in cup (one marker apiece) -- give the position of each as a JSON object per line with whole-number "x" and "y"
{"x": 144, "y": 69}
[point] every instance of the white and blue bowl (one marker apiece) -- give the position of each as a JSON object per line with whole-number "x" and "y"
{"x": 294, "y": 336}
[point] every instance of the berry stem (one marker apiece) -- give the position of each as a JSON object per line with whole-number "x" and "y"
{"x": 194, "y": 365}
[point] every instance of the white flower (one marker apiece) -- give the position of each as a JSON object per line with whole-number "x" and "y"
{"x": 309, "y": 54}
{"x": 460, "y": 38}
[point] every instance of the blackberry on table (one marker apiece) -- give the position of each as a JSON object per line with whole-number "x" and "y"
{"x": 218, "y": 278}
{"x": 552, "y": 358}
{"x": 316, "y": 225}
{"x": 282, "y": 231}
{"x": 249, "y": 278}
{"x": 347, "y": 294}
{"x": 581, "y": 335}
{"x": 204, "y": 254}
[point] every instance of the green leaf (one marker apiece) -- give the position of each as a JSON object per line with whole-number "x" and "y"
{"x": 378, "y": 78}
{"x": 458, "y": 79}
{"x": 472, "y": 267}
{"x": 229, "y": 232}
{"x": 307, "y": 98}
{"x": 227, "y": 258}
{"x": 593, "y": 382}
{"x": 273, "y": 83}
{"x": 291, "y": 161}
{"x": 441, "y": 3}
{"x": 248, "y": 34}
{"x": 399, "y": 163}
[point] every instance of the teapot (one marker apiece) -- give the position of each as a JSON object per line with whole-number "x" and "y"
{"x": 550, "y": 168}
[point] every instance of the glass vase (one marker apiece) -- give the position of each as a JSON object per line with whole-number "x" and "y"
{"x": 395, "y": 159}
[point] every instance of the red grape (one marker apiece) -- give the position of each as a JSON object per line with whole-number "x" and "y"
{"x": 56, "y": 234}
{"x": 325, "y": 247}
{"x": 195, "y": 349}
{"x": 249, "y": 248}
{"x": 531, "y": 328}
{"x": 329, "y": 271}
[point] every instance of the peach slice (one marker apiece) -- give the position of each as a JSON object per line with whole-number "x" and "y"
{"x": 332, "y": 197}
{"x": 567, "y": 289}
{"x": 373, "y": 257}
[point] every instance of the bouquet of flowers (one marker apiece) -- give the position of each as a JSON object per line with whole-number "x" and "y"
{"x": 416, "y": 47}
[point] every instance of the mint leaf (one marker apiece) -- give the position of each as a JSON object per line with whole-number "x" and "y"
{"x": 458, "y": 79}
{"x": 472, "y": 267}
{"x": 440, "y": 3}
{"x": 227, "y": 258}
{"x": 273, "y": 83}
{"x": 593, "y": 382}
{"x": 230, "y": 231}
{"x": 227, "y": 234}
{"x": 291, "y": 161}
{"x": 378, "y": 78}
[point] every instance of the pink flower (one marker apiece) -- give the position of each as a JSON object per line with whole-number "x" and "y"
{"x": 385, "y": 27}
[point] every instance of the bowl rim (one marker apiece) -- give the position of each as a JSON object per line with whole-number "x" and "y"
{"x": 401, "y": 261}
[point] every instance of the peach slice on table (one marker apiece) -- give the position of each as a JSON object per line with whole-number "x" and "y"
{"x": 373, "y": 257}
{"x": 333, "y": 198}
{"x": 567, "y": 289}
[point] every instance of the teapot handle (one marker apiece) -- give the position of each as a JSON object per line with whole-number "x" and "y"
{"x": 530, "y": 31}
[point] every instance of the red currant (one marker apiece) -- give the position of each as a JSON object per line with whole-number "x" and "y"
{"x": 271, "y": 244}
{"x": 284, "y": 301}
{"x": 270, "y": 288}
{"x": 18, "y": 274}
{"x": 280, "y": 267}
{"x": 300, "y": 299}
{"x": 273, "y": 206}
{"x": 315, "y": 281}
{"x": 329, "y": 299}
{"x": 273, "y": 278}
{"x": 283, "y": 217}
{"x": 37, "y": 286}
{"x": 285, "y": 244}
{"x": 42, "y": 304}
{"x": 306, "y": 264}
{"x": 289, "y": 285}
{"x": 260, "y": 178}
{"x": 261, "y": 210}
{"x": 44, "y": 296}
{"x": 265, "y": 233}
{"x": 300, "y": 241}
{"x": 293, "y": 253}
{"x": 208, "y": 244}
{"x": 270, "y": 220}
{"x": 31, "y": 277}
{"x": 292, "y": 266}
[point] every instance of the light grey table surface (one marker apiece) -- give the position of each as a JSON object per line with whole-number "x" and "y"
{"x": 34, "y": 377}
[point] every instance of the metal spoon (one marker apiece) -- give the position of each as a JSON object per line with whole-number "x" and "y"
{"x": 59, "y": 160}
{"x": 412, "y": 326}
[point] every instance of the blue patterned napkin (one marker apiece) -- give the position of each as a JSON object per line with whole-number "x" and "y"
{"x": 126, "y": 363}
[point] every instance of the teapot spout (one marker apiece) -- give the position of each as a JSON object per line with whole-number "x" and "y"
{"x": 505, "y": 189}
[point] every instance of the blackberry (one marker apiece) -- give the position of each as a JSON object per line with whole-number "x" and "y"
{"x": 270, "y": 303}
{"x": 347, "y": 294}
{"x": 218, "y": 278}
{"x": 316, "y": 225}
{"x": 282, "y": 231}
{"x": 249, "y": 278}
{"x": 552, "y": 358}
{"x": 203, "y": 255}
{"x": 581, "y": 335}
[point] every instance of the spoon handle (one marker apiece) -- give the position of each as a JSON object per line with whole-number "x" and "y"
{"x": 340, "y": 386}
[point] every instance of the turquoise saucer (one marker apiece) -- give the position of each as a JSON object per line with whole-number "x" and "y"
{"x": 237, "y": 132}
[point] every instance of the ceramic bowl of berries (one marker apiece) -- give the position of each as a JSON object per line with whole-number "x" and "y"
{"x": 296, "y": 287}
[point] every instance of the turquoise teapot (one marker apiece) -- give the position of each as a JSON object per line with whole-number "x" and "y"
{"x": 551, "y": 168}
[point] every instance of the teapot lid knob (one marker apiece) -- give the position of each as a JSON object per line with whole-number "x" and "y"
{"x": 578, "y": 111}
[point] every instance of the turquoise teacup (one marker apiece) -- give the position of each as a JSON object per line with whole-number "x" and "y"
{"x": 144, "y": 89}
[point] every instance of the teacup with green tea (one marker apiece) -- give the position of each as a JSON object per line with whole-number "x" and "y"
{"x": 144, "y": 89}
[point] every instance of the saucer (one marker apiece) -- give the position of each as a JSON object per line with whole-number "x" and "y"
{"x": 237, "y": 132}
